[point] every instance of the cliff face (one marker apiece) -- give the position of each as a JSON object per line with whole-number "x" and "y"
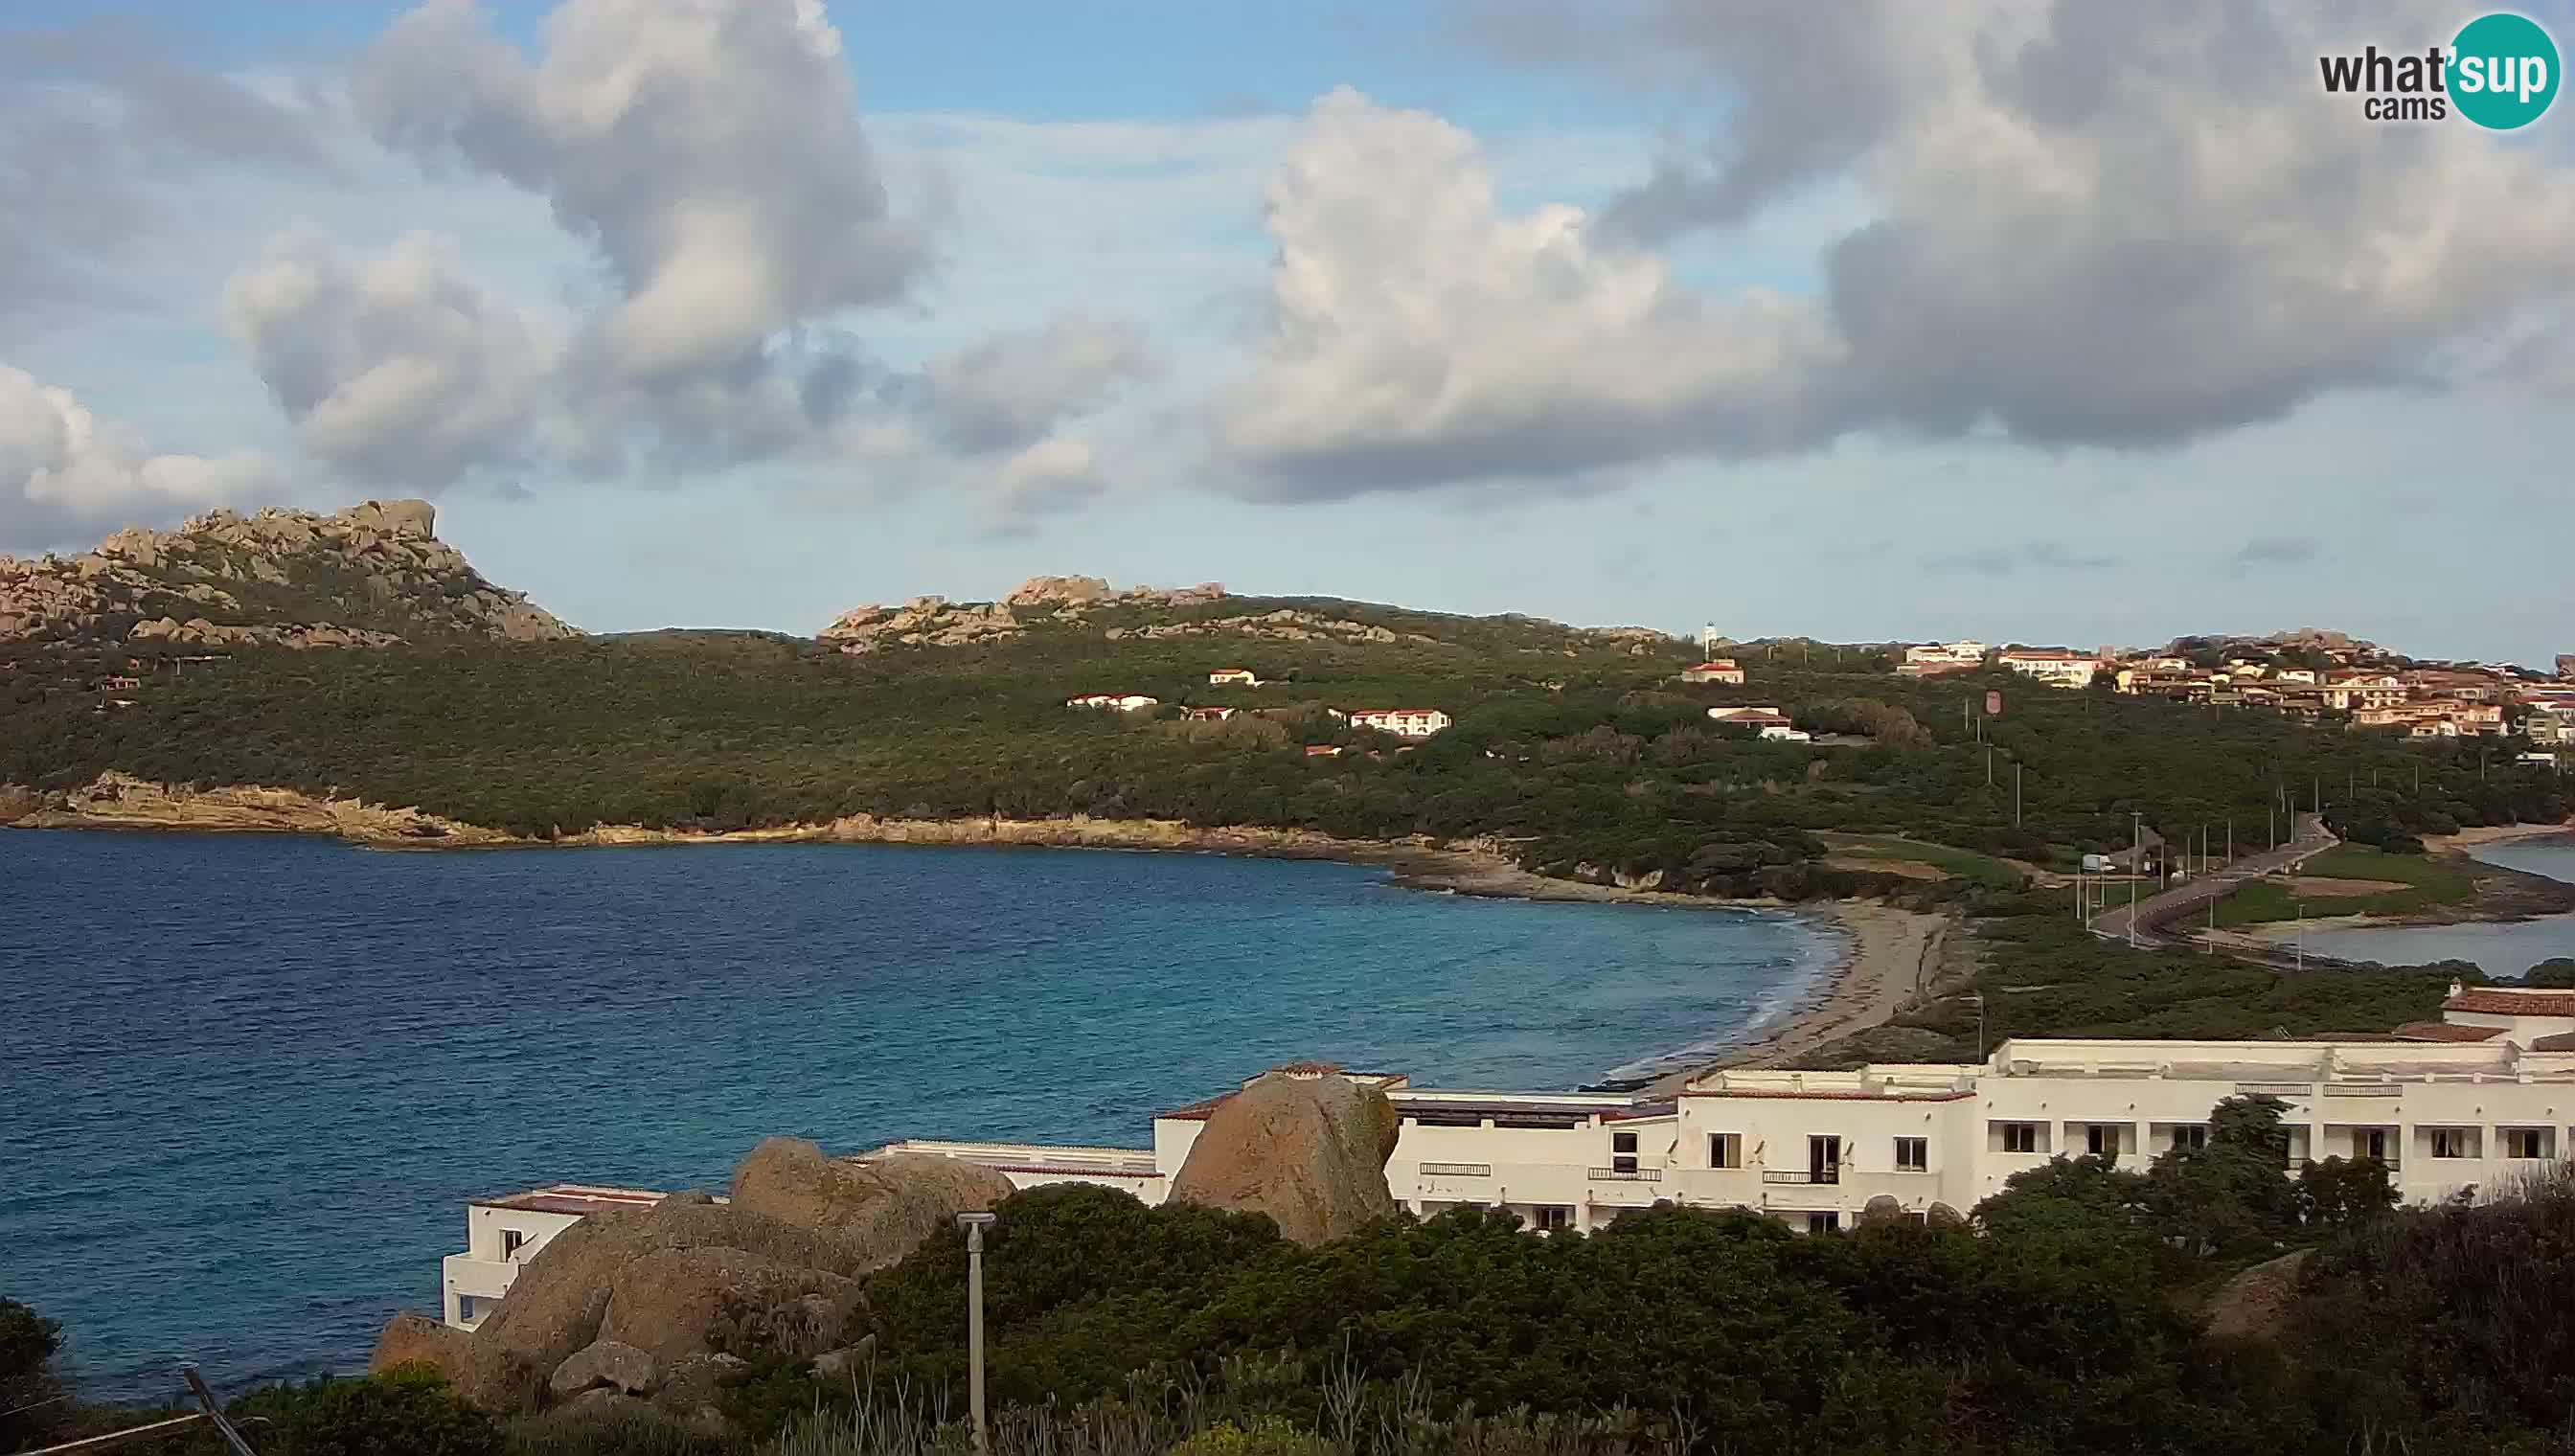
{"x": 371, "y": 575}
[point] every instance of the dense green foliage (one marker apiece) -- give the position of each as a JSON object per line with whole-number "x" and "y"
{"x": 1579, "y": 748}
{"x": 29, "y": 1388}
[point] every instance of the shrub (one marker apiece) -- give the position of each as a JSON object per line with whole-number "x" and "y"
{"x": 405, "y": 1412}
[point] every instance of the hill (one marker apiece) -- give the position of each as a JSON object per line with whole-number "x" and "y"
{"x": 372, "y": 576}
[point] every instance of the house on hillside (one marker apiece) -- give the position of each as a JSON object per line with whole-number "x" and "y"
{"x": 1714, "y": 669}
{"x": 1232, "y": 678}
{"x": 1403, "y": 723}
{"x": 1769, "y": 721}
{"x": 1116, "y": 702}
{"x": 2054, "y": 668}
{"x": 1209, "y": 714}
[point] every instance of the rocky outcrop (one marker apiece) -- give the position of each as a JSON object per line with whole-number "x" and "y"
{"x": 2256, "y": 1304}
{"x": 666, "y": 1301}
{"x": 119, "y": 800}
{"x": 878, "y": 1210}
{"x": 416, "y": 1340}
{"x": 1882, "y": 1211}
{"x": 606, "y": 1362}
{"x": 936, "y": 622}
{"x": 369, "y": 576}
{"x": 1303, "y": 1144}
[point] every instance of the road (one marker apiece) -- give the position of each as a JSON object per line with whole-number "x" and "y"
{"x": 2311, "y": 839}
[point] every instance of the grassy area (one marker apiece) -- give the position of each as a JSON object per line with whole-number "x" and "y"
{"x": 1964, "y": 864}
{"x": 2428, "y": 882}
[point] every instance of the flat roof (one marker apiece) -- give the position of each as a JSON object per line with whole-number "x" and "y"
{"x": 572, "y": 1199}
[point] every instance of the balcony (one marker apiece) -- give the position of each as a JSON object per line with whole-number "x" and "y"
{"x": 1625, "y": 1175}
{"x": 479, "y": 1278}
{"x": 1803, "y": 1176}
{"x": 1456, "y": 1170}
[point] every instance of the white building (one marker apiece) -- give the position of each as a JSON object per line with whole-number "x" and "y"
{"x": 1233, "y": 676}
{"x": 1403, "y": 723}
{"x": 2056, "y": 669}
{"x": 1774, "y": 724}
{"x": 501, "y": 1234}
{"x": 1117, "y": 701}
{"x": 2466, "y": 1102}
{"x": 1714, "y": 669}
{"x": 1946, "y": 652}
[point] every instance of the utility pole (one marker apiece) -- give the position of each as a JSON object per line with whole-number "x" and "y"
{"x": 2136, "y": 868}
{"x": 2015, "y": 794}
{"x": 975, "y": 1224}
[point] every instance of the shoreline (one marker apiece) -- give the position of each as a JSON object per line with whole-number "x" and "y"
{"x": 2500, "y": 894}
{"x": 1884, "y": 963}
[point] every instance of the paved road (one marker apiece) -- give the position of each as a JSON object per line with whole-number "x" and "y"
{"x": 2312, "y": 837}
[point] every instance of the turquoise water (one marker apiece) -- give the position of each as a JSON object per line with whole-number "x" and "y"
{"x": 2508, "y": 948}
{"x": 247, "y": 1083}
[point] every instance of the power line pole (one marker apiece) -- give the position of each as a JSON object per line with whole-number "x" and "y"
{"x": 2015, "y": 794}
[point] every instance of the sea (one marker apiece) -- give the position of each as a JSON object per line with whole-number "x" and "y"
{"x": 2505, "y": 948}
{"x": 247, "y": 1083}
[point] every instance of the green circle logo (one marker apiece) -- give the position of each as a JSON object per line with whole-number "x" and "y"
{"x": 2504, "y": 71}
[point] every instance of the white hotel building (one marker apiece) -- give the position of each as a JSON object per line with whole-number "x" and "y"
{"x": 2465, "y": 1102}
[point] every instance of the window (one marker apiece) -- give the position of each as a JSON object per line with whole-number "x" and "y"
{"x": 1554, "y": 1217}
{"x": 1823, "y": 1159}
{"x": 2449, "y": 1142}
{"x": 465, "y": 1308}
{"x": 512, "y": 1240}
{"x": 2373, "y": 1144}
{"x": 2190, "y": 1137}
{"x": 1823, "y": 1222}
{"x": 2524, "y": 1142}
{"x": 2020, "y": 1137}
{"x": 2101, "y": 1139}
{"x": 1623, "y": 1152}
{"x": 1724, "y": 1150}
{"x": 1913, "y": 1154}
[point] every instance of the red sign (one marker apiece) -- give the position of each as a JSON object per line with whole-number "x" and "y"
{"x": 1993, "y": 705}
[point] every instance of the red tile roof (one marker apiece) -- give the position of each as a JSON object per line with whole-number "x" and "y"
{"x": 2445, "y": 1031}
{"x": 2497, "y": 1001}
{"x": 2562, "y": 1041}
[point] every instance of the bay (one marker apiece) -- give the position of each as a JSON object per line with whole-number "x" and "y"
{"x": 2505, "y": 948}
{"x": 247, "y": 1083}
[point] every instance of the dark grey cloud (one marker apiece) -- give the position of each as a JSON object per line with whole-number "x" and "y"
{"x": 1008, "y": 391}
{"x": 93, "y": 119}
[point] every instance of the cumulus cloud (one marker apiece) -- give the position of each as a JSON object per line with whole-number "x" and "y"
{"x": 1421, "y": 333}
{"x": 395, "y": 368}
{"x": 2122, "y": 225}
{"x": 1006, "y": 391}
{"x": 711, "y": 149}
{"x": 64, "y": 471}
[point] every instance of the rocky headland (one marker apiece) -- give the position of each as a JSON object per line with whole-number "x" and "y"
{"x": 372, "y": 576}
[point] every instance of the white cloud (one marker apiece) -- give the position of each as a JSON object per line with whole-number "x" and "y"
{"x": 1421, "y": 335}
{"x": 1055, "y": 473}
{"x": 394, "y": 369}
{"x": 64, "y": 471}
{"x": 710, "y": 148}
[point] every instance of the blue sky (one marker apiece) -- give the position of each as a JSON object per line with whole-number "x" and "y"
{"x": 1923, "y": 320}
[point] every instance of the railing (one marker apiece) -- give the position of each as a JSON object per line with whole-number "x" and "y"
{"x": 2275, "y": 1089}
{"x": 1801, "y": 1175}
{"x": 1627, "y": 1176}
{"x": 1456, "y": 1170}
{"x": 2364, "y": 1089}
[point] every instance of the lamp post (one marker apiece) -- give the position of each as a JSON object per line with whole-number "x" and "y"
{"x": 975, "y": 1224}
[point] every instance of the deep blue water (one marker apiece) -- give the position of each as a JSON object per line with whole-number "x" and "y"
{"x": 247, "y": 1083}
{"x": 2506, "y": 948}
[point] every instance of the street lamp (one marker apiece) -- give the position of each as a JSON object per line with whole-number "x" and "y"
{"x": 975, "y": 1224}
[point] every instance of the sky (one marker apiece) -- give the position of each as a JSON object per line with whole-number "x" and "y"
{"x": 2079, "y": 323}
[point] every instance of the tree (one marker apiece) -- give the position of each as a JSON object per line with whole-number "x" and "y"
{"x": 29, "y": 1385}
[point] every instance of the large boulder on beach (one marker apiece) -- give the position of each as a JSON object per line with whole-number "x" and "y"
{"x": 1303, "y": 1144}
{"x": 416, "y": 1340}
{"x": 876, "y": 1210}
